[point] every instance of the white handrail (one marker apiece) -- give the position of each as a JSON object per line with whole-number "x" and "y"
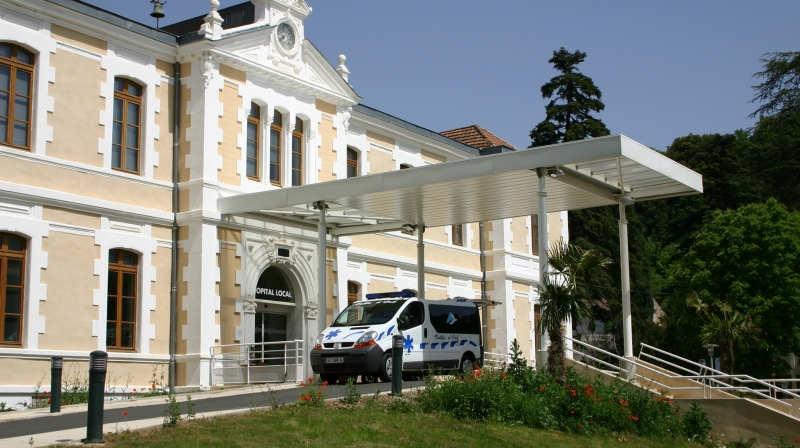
{"x": 271, "y": 354}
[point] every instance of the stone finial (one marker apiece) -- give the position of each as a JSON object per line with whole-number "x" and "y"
{"x": 342, "y": 69}
{"x": 212, "y": 28}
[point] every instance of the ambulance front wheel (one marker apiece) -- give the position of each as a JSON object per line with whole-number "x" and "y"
{"x": 467, "y": 363}
{"x": 385, "y": 368}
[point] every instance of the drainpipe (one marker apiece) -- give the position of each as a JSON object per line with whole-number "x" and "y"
{"x": 173, "y": 298}
{"x": 483, "y": 292}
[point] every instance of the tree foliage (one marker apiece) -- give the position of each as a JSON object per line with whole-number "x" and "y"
{"x": 576, "y": 97}
{"x": 749, "y": 259}
{"x": 779, "y": 93}
{"x": 563, "y": 295}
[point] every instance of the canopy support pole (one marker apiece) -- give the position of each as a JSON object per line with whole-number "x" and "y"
{"x": 420, "y": 261}
{"x": 322, "y": 236}
{"x": 485, "y": 310}
{"x": 544, "y": 340}
{"x": 627, "y": 328}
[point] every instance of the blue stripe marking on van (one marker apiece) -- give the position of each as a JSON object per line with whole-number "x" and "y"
{"x": 380, "y": 336}
{"x": 434, "y": 345}
{"x": 389, "y": 331}
{"x": 453, "y": 344}
{"x": 422, "y": 345}
{"x": 473, "y": 344}
{"x": 464, "y": 341}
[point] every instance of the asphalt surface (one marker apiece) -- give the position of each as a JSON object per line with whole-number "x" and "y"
{"x": 56, "y": 422}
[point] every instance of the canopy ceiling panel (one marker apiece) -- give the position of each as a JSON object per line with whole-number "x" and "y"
{"x": 591, "y": 173}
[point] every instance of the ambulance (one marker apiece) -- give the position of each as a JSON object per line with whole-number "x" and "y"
{"x": 437, "y": 334}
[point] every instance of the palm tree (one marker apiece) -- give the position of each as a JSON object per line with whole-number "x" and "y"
{"x": 562, "y": 296}
{"x": 726, "y": 327}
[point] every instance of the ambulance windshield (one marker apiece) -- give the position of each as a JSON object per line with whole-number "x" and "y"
{"x": 368, "y": 313}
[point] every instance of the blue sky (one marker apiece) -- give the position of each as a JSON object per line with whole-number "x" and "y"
{"x": 666, "y": 69}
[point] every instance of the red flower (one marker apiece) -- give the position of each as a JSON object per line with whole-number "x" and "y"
{"x": 579, "y": 425}
{"x": 591, "y": 422}
{"x": 572, "y": 412}
{"x": 324, "y": 383}
{"x": 572, "y": 391}
{"x": 319, "y": 393}
{"x": 125, "y": 413}
{"x": 324, "y": 386}
{"x": 504, "y": 375}
{"x": 310, "y": 379}
{"x": 47, "y": 393}
{"x": 49, "y": 401}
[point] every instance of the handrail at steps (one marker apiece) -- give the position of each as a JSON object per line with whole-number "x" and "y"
{"x": 238, "y": 353}
{"x": 698, "y": 376}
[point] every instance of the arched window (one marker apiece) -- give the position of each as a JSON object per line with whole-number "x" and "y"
{"x": 127, "y": 131}
{"x": 16, "y": 94}
{"x": 273, "y": 285}
{"x": 253, "y": 141}
{"x": 297, "y": 153}
{"x": 123, "y": 281}
{"x": 352, "y": 162}
{"x": 275, "y": 149}
{"x": 12, "y": 288}
{"x": 535, "y": 234}
{"x": 458, "y": 234}
{"x": 352, "y": 293}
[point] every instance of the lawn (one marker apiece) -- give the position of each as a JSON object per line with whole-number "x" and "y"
{"x": 371, "y": 424}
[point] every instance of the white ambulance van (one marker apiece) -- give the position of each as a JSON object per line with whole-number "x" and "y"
{"x": 438, "y": 334}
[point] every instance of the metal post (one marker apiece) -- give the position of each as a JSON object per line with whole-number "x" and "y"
{"x": 397, "y": 365}
{"x": 541, "y": 353}
{"x": 485, "y": 310}
{"x": 420, "y": 261}
{"x": 56, "y": 369}
{"x": 322, "y": 242}
{"x": 627, "y": 329}
{"x": 98, "y": 363}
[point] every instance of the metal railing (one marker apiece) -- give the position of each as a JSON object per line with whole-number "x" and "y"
{"x": 493, "y": 360}
{"x": 265, "y": 362}
{"x": 706, "y": 378}
{"x": 712, "y": 379}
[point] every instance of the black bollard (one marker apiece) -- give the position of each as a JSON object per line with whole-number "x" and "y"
{"x": 397, "y": 366}
{"x": 56, "y": 367}
{"x": 98, "y": 361}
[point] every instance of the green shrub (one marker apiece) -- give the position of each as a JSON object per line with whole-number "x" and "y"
{"x": 521, "y": 395}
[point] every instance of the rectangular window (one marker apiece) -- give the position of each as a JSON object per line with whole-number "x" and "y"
{"x": 455, "y": 319}
{"x": 253, "y": 137}
{"x": 297, "y": 153}
{"x": 126, "y": 131}
{"x": 123, "y": 273}
{"x": 16, "y": 95}
{"x": 12, "y": 288}
{"x": 458, "y": 234}
{"x": 535, "y": 234}
{"x": 275, "y": 149}
{"x": 352, "y": 163}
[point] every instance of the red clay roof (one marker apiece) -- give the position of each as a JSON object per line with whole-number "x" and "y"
{"x": 476, "y": 137}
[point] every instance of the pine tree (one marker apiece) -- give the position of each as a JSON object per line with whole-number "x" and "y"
{"x": 576, "y": 96}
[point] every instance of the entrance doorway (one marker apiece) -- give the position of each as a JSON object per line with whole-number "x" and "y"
{"x": 270, "y": 327}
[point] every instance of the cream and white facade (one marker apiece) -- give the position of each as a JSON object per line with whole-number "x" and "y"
{"x": 258, "y": 108}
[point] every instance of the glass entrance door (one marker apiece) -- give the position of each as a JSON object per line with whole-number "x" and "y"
{"x": 269, "y": 328}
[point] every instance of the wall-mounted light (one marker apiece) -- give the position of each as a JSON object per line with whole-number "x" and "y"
{"x": 555, "y": 172}
{"x": 408, "y": 228}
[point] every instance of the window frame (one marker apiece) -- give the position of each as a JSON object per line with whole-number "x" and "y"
{"x": 352, "y": 297}
{"x": 126, "y": 99}
{"x": 352, "y": 162}
{"x": 15, "y": 65}
{"x": 279, "y": 128}
{"x": 121, "y": 269}
{"x": 299, "y": 135}
{"x": 256, "y": 121}
{"x": 457, "y": 229}
{"x": 5, "y": 255}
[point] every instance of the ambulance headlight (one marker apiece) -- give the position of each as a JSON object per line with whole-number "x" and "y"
{"x": 366, "y": 339}
{"x": 318, "y": 342}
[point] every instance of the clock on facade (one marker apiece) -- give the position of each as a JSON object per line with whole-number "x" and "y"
{"x": 285, "y": 34}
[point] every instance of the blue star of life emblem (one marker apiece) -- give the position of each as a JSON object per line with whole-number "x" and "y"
{"x": 407, "y": 344}
{"x": 333, "y": 334}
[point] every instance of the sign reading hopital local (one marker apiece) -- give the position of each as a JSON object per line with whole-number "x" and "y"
{"x": 273, "y": 285}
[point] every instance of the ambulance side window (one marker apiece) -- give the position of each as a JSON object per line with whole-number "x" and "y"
{"x": 415, "y": 313}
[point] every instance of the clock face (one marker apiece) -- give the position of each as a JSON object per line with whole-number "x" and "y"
{"x": 285, "y": 36}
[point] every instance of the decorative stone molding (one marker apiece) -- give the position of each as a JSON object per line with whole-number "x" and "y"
{"x": 346, "y": 117}
{"x": 342, "y": 69}
{"x": 249, "y": 306}
{"x": 311, "y": 311}
{"x": 271, "y": 246}
{"x": 212, "y": 28}
{"x": 207, "y": 69}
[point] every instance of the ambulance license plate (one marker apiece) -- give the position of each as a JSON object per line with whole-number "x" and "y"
{"x": 338, "y": 360}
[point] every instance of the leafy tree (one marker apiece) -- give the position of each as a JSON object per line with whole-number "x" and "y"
{"x": 725, "y": 327}
{"x": 576, "y": 96}
{"x": 562, "y": 296}
{"x": 780, "y": 91}
{"x": 772, "y": 159}
{"x": 749, "y": 259}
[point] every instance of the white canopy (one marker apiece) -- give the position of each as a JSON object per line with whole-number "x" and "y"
{"x": 596, "y": 172}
